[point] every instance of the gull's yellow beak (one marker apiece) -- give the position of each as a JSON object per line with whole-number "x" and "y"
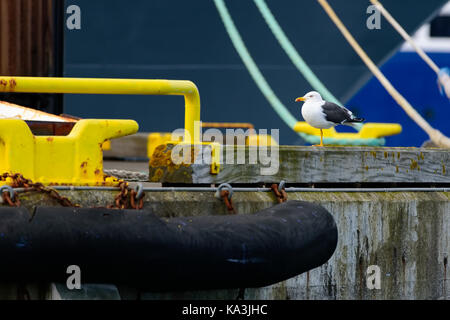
{"x": 300, "y": 99}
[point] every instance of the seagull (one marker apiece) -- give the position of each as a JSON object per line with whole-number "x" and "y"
{"x": 322, "y": 114}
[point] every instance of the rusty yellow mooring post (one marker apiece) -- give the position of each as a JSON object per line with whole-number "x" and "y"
{"x": 76, "y": 159}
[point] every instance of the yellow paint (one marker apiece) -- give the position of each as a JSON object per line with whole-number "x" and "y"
{"x": 215, "y": 157}
{"x": 368, "y": 131}
{"x": 106, "y": 145}
{"x": 260, "y": 140}
{"x": 76, "y": 159}
{"x": 114, "y": 86}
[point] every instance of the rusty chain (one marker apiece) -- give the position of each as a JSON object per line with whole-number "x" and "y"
{"x": 225, "y": 195}
{"x": 279, "y": 192}
{"x": 127, "y": 198}
{"x": 121, "y": 199}
{"x": 9, "y": 196}
{"x": 7, "y": 199}
{"x": 225, "y": 192}
{"x": 18, "y": 181}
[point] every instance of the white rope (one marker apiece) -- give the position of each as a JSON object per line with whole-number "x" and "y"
{"x": 435, "y": 135}
{"x": 405, "y": 35}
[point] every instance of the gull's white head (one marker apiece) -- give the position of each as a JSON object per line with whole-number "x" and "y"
{"x": 310, "y": 96}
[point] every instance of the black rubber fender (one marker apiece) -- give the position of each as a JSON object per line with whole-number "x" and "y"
{"x": 139, "y": 249}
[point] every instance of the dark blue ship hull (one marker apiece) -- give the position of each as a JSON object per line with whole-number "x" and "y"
{"x": 417, "y": 83}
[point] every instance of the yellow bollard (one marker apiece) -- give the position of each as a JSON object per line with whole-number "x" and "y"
{"x": 75, "y": 159}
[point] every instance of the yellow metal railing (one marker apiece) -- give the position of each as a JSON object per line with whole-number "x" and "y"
{"x": 187, "y": 89}
{"x": 114, "y": 86}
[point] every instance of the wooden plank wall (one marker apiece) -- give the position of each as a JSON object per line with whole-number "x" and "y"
{"x": 27, "y": 46}
{"x": 26, "y": 31}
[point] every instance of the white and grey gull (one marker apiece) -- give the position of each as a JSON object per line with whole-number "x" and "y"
{"x": 322, "y": 114}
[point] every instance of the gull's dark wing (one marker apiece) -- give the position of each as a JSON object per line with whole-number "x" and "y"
{"x": 336, "y": 114}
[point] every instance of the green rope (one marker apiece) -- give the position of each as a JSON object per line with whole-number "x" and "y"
{"x": 253, "y": 69}
{"x": 295, "y": 57}
{"x": 267, "y": 91}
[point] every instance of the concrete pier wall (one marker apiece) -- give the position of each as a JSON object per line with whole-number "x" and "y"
{"x": 405, "y": 234}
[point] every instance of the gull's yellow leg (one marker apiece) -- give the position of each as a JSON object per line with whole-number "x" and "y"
{"x": 321, "y": 140}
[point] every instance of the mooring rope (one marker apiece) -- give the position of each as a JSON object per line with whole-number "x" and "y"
{"x": 435, "y": 135}
{"x": 292, "y": 53}
{"x": 254, "y": 71}
{"x": 442, "y": 74}
{"x": 405, "y": 35}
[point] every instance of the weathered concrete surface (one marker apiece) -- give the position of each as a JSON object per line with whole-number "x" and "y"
{"x": 132, "y": 146}
{"x": 405, "y": 233}
{"x": 309, "y": 165}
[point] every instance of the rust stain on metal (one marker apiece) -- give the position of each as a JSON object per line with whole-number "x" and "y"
{"x": 84, "y": 164}
{"x": 50, "y": 139}
{"x": 12, "y": 84}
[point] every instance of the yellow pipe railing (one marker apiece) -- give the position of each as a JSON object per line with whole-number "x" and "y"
{"x": 114, "y": 86}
